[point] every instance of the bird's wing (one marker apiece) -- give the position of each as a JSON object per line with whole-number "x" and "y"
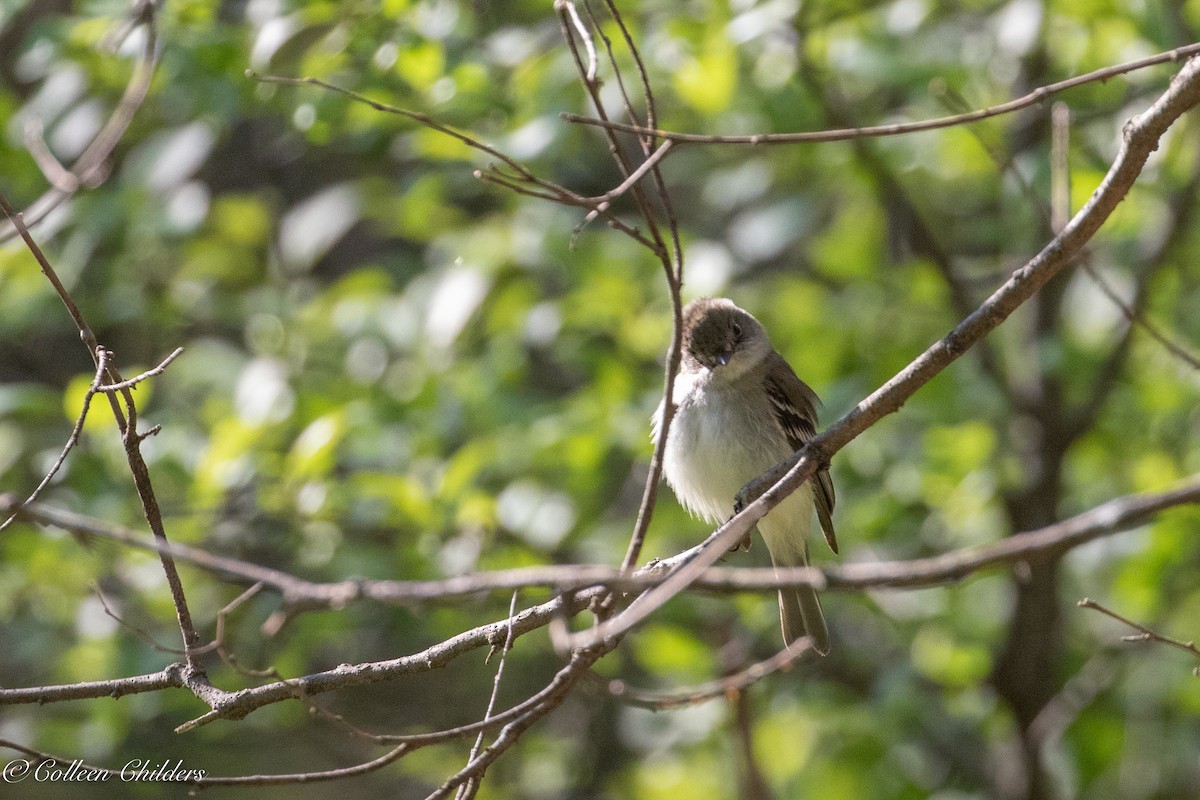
{"x": 795, "y": 407}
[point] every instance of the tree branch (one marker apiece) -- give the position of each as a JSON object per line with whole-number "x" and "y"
{"x": 722, "y": 687}
{"x": 1141, "y": 136}
{"x": 1117, "y": 515}
{"x": 1144, "y": 634}
{"x": 170, "y": 677}
{"x": 671, "y": 258}
{"x": 1107, "y": 519}
{"x": 89, "y": 168}
{"x": 810, "y": 137}
{"x": 126, "y": 419}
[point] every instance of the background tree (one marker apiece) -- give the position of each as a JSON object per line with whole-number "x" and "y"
{"x": 395, "y": 370}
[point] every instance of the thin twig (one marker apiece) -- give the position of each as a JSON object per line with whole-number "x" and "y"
{"x": 1145, "y": 634}
{"x": 651, "y": 162}
{"x": 672, "y": 265}
{"x": 18, "y": 223}
{"x": 589, "y": 74}
{"x": 1033, "y": 98}
{"x": 558, "y": 686}
{"x": 141, "y": 633}
{"x": 150, "y": 373}
{"x": 593, "y": 90}
{"x": 415, "y": 116}
{"x": 218, "y": 642}
{"x": 90, "y": 168}
{"x": 471, "y": 787}
{"x": 581, "y": 662}
{"x": 1138, "y": 320}
{"x": 639, "y": 65}
{"x": 722, "y": 687}
{"x": 521, "y": 182}
{"x": 1057, "y": 214}
{"x": 72, "y": 440}
{"x": 60, "y": 178}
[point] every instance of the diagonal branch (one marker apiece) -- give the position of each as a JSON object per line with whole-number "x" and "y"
{"x": 89, "y": 169}
{"x": 126, "y": 419}
{"x": 1140, "y": 138}
{"x": 15, "y": 509}
{"x": 722, "y": 687}
{"x": 521, "y": 180}
{"x": 581, "y": 662}
{"x": 1144, "y": 633}
{"x": 468, "y": 790}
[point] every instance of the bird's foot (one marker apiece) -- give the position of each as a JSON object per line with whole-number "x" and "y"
{"x": 744, "y": 542}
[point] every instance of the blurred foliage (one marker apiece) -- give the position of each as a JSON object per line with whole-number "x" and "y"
{"x": 394, "y": 370}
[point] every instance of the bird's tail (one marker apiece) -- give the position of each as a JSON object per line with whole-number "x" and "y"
{"x": 800, "y": 615}
{"x": 799, "y": 608}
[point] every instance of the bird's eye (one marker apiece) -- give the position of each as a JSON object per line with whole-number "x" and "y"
{"x": 737, "y": 330}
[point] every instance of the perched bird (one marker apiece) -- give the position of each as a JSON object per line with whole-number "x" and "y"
{"x": 740, "y": 411}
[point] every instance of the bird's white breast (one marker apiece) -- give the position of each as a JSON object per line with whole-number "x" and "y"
{"x": 715, "y": 447}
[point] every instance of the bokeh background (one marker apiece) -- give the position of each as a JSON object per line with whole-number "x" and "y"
{"x": 395, "y": 370}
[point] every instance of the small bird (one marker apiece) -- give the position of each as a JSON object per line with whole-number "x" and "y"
{"x": 740, "y": 411}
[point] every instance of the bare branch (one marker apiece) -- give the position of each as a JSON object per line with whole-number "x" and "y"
{"x": 150, "y": 373}
{"x": 1117, "y": 515}
{"x": 141, "y": 633}
{"x": 471, "y": 787}
{"x": 1114, "y": 516}
{"x": 168, "y": 678}
{"x": 1141, "y": 136}
{"x": 1136, "y": 319}
{"x": 236, "y": 705}
{"x": 722, "y": 687}
{"x": 671, "y": 260}
{"x": 219, "y": 644}
{"x": 605, "y": 200}
{"x": 581, "y": 662}
{"x": 523, "y": 181}
{"x": 127, "y": 424}
{"x": 307, "y": 777}
{"x": 809, "y": 137}
{"x": 1145, "y": 634}
{"x": 72, "y": 440}
{"x": 90, "y": 168}
{"x": 589, "y": 74}
{"x": 580, "y": 588}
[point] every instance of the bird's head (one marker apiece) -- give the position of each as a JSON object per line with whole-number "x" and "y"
{"x": 721, "y": 338}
